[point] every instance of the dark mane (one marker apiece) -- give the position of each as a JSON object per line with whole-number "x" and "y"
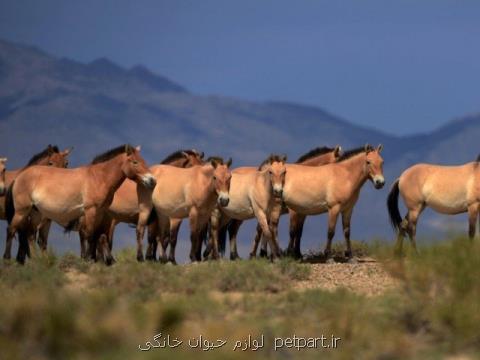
{"x": 313, "y": 153}
{"x": 478, "y": 158}
{"x": 351, "y": 153}
{"x": 44, "y": 153}
{"x": 110, "y": 154}
{"x": 272, "y": 158}
{"x": 177, "y": 155}
{"x": 217, "y": 159}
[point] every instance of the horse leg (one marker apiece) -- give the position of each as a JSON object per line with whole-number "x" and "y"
{"x": 174, "y": 228}
{"x": 297, "y": 235}
{"x": 215, "y": 219}
{"x": 346, "y": 218}
{"x": 332, "y": 223}
{"x": 163, "y": 237}
{"x": 233, "y": 228}
{"x": 16, "y": 225}
{"x": 43, "y": 231}
{"x": 412, "y": 226}
{"x": 142, "y": 223}
{"x": 203, "y": 237}
{"x": 472, "y": 220}
{"x": 256, "y": 241}
{"x": 262, "y": 220}
{"x": 153, "y": 234}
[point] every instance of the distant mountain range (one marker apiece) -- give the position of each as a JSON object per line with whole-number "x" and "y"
{"x": 95, "y": 106}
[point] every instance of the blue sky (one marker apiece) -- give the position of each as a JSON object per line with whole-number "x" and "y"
{"x": 400, "y": 66}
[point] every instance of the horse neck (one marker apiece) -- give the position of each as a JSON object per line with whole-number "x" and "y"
{"x": 110, "y": 174}
{"x": 318, "y": 160}
{"x": 177, "y": 163}
{"x": 206, "y": 180}
{"x": 265, "y": 181}
{"x": 356, "y": 169}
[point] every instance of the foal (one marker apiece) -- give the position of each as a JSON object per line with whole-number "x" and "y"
{"x": 66, "y": 195}
{"x": 50, "y": 156}
{"x": 252, "y": 194}
{"x": 446, "y": 189}
{"x": 192, "y": 193}
{"x": 333, "y": 188}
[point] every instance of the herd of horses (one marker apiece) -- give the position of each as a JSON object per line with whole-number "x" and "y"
{"x": 119, "y": 187}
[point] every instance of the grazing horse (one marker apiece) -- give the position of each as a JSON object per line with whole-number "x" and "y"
{"x": 50, "y": 156}
{"x": 80, "y": 194}
{"x": 315, "y": 157}
{"x": 193, "y": 193}
{"x": 3, "y": 170}
{"x": 333, "y": 188}
{"x": 124, "y": 207}
{"x": 252, "y": 194}
{"x": 446, "y": 189}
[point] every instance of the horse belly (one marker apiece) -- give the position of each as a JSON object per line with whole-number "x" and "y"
{"x": 242, "y": 211}
{"x": 59, "y": 209}
{"x": 449, "y": 202}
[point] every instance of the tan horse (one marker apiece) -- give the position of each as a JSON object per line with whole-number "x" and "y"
{"x": 315, "y": 157}
{"x": 64, "y": 195}
{"x": 50, "y": 156}
{"x": 193, "y": 193}
{"x": 125, "y": 208}
{"x": 446, "y": 189}
{"x": 333, "y": 188}
{"x": 251, "y": 195}
{"x": 3, "y": 170}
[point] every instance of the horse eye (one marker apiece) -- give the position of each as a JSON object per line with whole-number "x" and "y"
{"x": 135, "y": 162}
{"x": 214, "y": 177}
{"x": 50, "y": 163}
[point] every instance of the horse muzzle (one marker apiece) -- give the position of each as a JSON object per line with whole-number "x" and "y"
{"x": 277, "y": 192}
{"x": 149, "y": 181}
{"x": 223, "y": 200}
{"x": 378, "y": 182}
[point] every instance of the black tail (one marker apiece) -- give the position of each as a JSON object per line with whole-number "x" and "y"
{"x": 392, "y": 205}
{"x": 9, "y": 205}
{"x": 153, "y": 216}
{"x": 71, "y": 226}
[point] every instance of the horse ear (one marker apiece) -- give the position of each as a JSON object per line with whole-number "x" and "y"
{"x": 50, "y": 149}
{"x": 229, "y": 162}
{"x": 138, "y": 148}
{"x": 368, "y": 148}
{"x": 128, "y": 149}
{"x": 3, "y": 160}
{"x": 379, "y": 148}
{"x": 284, "y": 158}
{"x": 337, "y": 151}
{"x": 184, "y": 154}
{"x": 67, "y": 151}
{"x": 214, "y": 163}
{"x": 202, "y": 155}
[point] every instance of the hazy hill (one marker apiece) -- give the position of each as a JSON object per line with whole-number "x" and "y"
{"x": 99, "y": 105}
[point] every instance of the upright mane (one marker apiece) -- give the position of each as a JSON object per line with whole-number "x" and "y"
{"x": 110, "y": 154}
{"x": 272, "y": 158}
{"x": 313, "y": 153}
{"x": 218, "y": 159}
{"x": 44, "y": 153}
{"x": 351, "y": 153}
{"x": 178, "y": 155}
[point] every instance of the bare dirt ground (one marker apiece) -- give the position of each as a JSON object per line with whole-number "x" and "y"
{"x": 367, "y": 277}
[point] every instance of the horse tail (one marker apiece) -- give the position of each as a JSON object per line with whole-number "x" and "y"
{"x": 23, "y": 246}
{"x": 392, "y": 205}
{"x": 153, "y": 216}
{"x": 9, "y": 204}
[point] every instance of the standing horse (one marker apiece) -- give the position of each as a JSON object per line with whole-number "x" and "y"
{"x": 3, "y": 169}
{"x": 125, "y": 208}
{"x": 333, "y": 188}
{"x": 252, "y": 194}
{"x": 315, "y": 157}
{"x": 446, "y": 189}
{"x": 65, "y": 195}
{"x": 50, "y": 156}
{"x": 192, "y": 193}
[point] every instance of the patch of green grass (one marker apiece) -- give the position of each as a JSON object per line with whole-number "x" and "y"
{"x": 57, "y": 308}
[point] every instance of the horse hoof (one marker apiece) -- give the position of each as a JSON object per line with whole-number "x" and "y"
{"x": 140, "y": 258}
{"x": 352, "y": 261}
{"x": 263, "y": 253}
{"x": 234, "y": 257}
{"x": 109, "y": 260}
{"x": 172, "y": 261}
{"x": 7, "y": 256}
